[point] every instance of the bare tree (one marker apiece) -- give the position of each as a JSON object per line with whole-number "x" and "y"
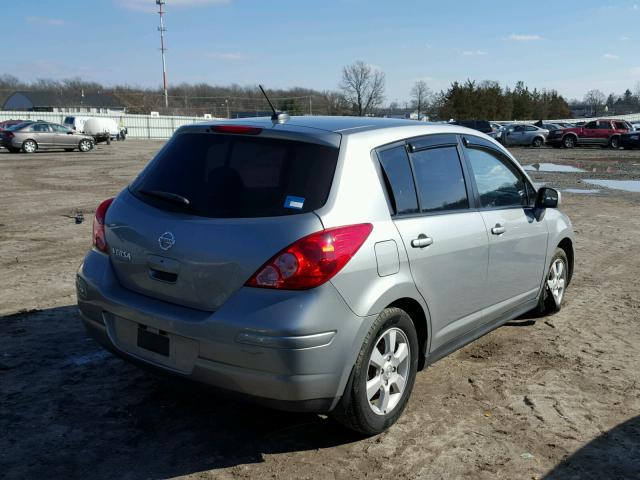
{"x": 420, "y": 95}
{"x": 335, "y": 102}
{"x": 362, "y": 87}
{"x": 595, "y": 99}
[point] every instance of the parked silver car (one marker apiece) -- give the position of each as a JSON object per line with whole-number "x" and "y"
{"x": 317, "y": 264}
{"x": 524, "y": 134}
{"x": 29, "y": 137}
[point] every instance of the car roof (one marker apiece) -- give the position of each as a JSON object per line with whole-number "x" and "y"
{"x": 326, "y": 123}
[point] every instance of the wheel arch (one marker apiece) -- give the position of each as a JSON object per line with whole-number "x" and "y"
{"x": 419, "y": 318}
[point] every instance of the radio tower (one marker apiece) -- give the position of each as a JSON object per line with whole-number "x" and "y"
{"x": 161, "y": 29}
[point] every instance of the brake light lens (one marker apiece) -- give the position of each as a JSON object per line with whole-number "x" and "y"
{"x": 99, "y": 240}
{"x": 312, "y": 260}
{"x": 236, "y": 129}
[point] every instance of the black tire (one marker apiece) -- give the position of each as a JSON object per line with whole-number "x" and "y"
{"x": 355, "y": 412}
{"x": 614, "y": 143}
{"x": 85, "y": 145}
{"x": 569, "y": 141}
{"x": 547, "y": 304}
{"x": 537, "y": 142}
{"x": 29, "y": 146}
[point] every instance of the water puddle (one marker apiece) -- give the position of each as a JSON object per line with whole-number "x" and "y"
{"x": 626, "y": 185}
{"x": 582, "y": 191}
{"x": 551, "y": 167}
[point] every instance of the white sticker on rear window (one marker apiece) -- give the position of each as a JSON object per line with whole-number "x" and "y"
{"x": 294, "y": 202}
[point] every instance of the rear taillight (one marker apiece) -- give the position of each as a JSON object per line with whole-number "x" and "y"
{"x": 99, "y": 240}
{"x": 312, "y": 260}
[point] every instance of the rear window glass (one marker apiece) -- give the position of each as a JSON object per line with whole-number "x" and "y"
{"x": 225, "y": 176}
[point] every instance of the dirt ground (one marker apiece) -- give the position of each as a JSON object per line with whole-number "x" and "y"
{"x": 557, "y": 397}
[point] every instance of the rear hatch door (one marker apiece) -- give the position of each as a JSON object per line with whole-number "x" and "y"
{"x": 210, "y": 209}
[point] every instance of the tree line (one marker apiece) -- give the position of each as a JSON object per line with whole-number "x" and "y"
{"x": 360, "y": 91}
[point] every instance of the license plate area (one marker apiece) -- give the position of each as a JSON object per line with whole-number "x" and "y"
{"x": 154, "y": 342}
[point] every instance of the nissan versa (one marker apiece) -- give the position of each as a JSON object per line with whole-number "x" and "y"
{"x": 317, "y": 263}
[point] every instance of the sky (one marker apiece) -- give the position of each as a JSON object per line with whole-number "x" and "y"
{"x": 568, "y": 45}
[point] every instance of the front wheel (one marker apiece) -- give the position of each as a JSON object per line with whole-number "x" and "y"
{"x": 383, "y": 376}
{"x": 614, "y": 143}
{"x": 569, "y": 141}
{"x": 85, "y": 145}
{"x": 555, "y": 285}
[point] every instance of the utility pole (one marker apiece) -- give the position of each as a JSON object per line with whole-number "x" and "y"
{"x": 310, "y": 107}
{"x": 161, "y": 29}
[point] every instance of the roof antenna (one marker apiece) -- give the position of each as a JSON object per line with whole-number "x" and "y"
{"x": 278, "y": 117}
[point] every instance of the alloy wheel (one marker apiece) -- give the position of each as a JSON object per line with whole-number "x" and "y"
{"x": 388, "y": 371}
{"x": 557, "y": 280}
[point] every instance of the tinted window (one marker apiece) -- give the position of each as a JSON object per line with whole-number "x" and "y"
{"x": 621, "y": 126}
{"x": 604, "y": 126}
{"x": 439, "y": 179}
{"x": 590, "y": 125}
{"x": 239, "y": 176}
{"x": 395, "y": 165}
{"x": 498, "y": 185}
{"x": 529, "y": 128}
{"x": 518, "y": 128}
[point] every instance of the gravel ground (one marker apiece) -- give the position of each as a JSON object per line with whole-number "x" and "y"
{"x": 538, "y": 398}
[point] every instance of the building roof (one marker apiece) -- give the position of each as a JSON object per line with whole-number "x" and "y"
{"x": 50, "y": 98}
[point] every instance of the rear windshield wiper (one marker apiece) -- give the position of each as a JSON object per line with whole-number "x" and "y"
{"x": 167, "y": 196}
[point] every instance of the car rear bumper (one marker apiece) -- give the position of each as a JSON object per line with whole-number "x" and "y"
{"x": 289, "y": 350}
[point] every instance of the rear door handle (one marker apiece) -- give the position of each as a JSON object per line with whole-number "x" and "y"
{"x": 422, "y": 241}
{"x": 498, "y": 229}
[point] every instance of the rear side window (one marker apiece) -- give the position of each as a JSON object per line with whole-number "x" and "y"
{"x": 621, "y": 126}
{"x": 227, "y": 176}
{"x": 399, "y": 180}
{"x": 439, "y": 179}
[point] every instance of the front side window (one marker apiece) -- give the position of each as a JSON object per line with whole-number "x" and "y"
{"x": 439, "y": 179}
{"x": 621, "y": 126}
{"x": 59, "y": 128}
{"x": 590, "y": 125}
{"x": 396, "y": 168}
{"x": 604, "y": 126}
{"x": 498, "y": 185}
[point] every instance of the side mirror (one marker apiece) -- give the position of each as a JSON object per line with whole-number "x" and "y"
{"x": 548, "y": 198}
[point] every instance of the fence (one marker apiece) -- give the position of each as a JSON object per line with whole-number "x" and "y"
{"x": 138, "y": 126}
{"x": 162, "y": 127}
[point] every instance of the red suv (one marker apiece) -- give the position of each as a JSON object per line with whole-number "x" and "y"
{"x": 605, "y": 133}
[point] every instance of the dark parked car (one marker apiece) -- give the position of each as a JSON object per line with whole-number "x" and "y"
{"x": 630, "y": 140}
{"x": 9, "y": 123}
{"x": 32, "y": 136}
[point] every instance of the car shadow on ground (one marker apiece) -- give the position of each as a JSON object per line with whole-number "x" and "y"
{"x": 614, "y": 454}
{"x": 70, "y": 409}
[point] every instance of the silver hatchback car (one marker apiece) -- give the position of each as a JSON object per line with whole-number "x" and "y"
{"x": 316, "y": 264}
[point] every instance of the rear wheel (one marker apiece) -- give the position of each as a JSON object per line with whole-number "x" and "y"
{"x": 383, "y": 376}
{"x": 555, "y": 284}
{"x": 537, "y": 142}
{"x": 29, "y": 146}
{"x": 85, "y": 145}
{"x": 569, "y": 141}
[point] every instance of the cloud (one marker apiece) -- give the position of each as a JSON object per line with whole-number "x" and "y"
{"x": 473, "y": 53}
{"x": 610, "y": 56}
{"x": 524, "y": 38}
{"x": 45, "y": 21}
{"x": 150, "y": 6}
{"x": 635, "y": 72}
{"x": 224, "y": 56}
{"x": 624, "y": 38}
